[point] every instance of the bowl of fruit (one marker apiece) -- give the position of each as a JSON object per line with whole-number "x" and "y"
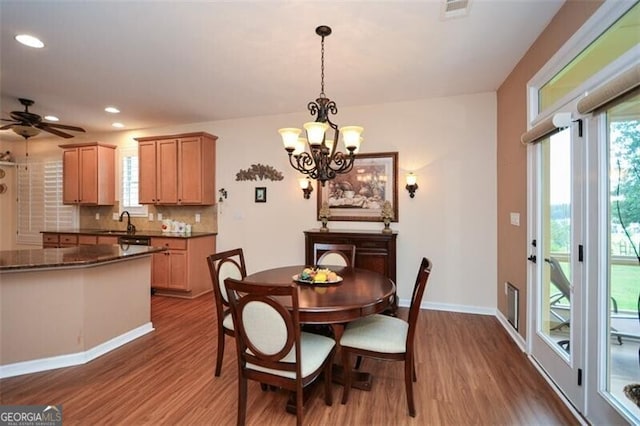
{"x": 317, "y": 276}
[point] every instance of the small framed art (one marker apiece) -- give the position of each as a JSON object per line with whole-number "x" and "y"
{"x": 261, "y": 194}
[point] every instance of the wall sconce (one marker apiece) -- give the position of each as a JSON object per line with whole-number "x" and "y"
{"x": 412, "y": 184}
{"x": 307, "y": 188}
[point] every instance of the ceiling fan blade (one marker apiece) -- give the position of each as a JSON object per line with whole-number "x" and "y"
{"x": 61, "y": 126}
{"x": 54, "y": 131}
{"x": 10, "y": 121}
{"x": 8, "y": 126}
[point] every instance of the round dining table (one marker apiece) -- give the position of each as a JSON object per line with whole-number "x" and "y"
{"x": 360, "y": 293}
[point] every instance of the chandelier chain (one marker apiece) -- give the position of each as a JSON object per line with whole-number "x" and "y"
{"x": 322, "y": 95}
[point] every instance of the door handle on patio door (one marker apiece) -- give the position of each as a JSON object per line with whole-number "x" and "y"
{"x": 532, "y": 258}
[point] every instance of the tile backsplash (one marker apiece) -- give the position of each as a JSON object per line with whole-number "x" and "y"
{"x": 186, "y": 214}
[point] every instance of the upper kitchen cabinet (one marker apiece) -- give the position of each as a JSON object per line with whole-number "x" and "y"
{"x": 88, "y": 174}
{"x": 177, "y": 169}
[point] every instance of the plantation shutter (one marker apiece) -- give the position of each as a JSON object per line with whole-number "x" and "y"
{"x": 40, "y": 205}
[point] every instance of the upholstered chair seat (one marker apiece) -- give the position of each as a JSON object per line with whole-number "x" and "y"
{"x": 388, "y": 338}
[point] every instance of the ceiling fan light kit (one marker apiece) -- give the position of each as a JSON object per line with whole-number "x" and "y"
{"x": 28, "y": 124}
{"x": 25, "y": 131}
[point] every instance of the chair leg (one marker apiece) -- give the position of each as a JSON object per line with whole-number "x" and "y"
{"x": 220, "y": 352}
{"x": 242, "y": 401}
{"x": 346, "y": 369}
{"x": 328, "y": 378}
{"x": 408, "y": 382}
{"x": 299, "y": 406}
{"x": 415, "y": 376}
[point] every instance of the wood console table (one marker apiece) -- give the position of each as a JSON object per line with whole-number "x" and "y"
{"x": 375, "y": 251}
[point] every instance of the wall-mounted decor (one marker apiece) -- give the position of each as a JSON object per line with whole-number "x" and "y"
{"x": 360, "y": 194}
{"x": 261, "y": 194}
{"x": 259, "y": 171}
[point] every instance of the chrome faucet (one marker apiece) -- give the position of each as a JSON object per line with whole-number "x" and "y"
{"x": 130, "y": 228}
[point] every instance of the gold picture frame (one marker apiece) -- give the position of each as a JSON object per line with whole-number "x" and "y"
{"x": 360, "y": 194}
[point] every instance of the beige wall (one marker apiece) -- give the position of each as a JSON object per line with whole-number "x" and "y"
{"x": 450, "y": 143}
{"x": 512, "y": 155}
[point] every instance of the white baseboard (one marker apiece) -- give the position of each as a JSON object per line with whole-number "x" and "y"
{"x": 43, "y": 364}
{"x": 517, "y": 338}
{"x": 450, "y": 308}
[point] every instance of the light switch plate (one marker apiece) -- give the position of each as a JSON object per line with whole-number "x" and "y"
{"x": 151, "y": 217}
{"x": 97, "y": 216}
{"x": 197, "y": 217}
{"x": 159, "y": 216}
{"x": 515, "y": 219}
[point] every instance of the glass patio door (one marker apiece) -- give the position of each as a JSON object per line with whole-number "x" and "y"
{"x": 556, "y": 267}
{"x": 614, "y": 344}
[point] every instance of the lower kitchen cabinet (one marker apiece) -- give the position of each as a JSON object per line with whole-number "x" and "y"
{"x": 50, "y": 240}
{"x": 182, "y": 270}
{"x": 56, "y": 240}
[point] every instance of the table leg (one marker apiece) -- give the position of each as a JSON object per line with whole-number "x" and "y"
{"x": 359, "y": 379}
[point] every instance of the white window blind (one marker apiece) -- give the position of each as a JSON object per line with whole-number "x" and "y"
{"x": 129, "y": 197}
{"x": 40, "y": 205}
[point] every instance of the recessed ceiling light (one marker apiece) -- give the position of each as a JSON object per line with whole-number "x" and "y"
{"x": 118, "y": 125}
{"x": 112, "y": 110}
{"x": 51, "y": 118}
{"x": 29, "y": 40}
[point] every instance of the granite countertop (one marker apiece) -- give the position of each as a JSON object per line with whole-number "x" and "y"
{"x": 138, "y": 233}
{"x": 24, "y": 260}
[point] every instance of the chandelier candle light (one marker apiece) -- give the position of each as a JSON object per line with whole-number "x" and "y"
{"x": 321, "y": 161}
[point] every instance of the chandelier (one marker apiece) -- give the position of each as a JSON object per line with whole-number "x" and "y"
{"x": 317, "y": 155}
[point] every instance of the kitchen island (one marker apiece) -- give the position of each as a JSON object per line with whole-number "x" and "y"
{"x": 66, "y": 306}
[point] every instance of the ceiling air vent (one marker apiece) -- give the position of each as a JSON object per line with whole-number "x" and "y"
{"x": 455, "y": 8}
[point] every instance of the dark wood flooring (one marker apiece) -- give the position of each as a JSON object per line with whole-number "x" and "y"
{"x": 469, "y": 372}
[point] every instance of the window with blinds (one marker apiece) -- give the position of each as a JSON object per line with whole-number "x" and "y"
{"x": 40, "y": 205}
{"x": 129, "y": 196}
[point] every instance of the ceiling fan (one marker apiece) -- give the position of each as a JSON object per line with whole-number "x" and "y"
{"x": 28, "y": 124}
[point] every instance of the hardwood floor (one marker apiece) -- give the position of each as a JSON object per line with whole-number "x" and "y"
{"x": 469, "y": 372}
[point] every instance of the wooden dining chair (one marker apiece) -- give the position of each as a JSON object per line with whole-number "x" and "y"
{"x": 385, "y": 337}
{"x": 334, "y": 254}
{"x": 224, "y": 265}
{"x": 271, "y": 348}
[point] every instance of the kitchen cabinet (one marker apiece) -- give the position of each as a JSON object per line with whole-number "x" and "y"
{"x": 88, "y": 174}
{"x": 57, "y": 240}
{"x": 87, "y": 240}
{"x": 374, "y": 250}
{"x": 182, "y": 270}
{"x": 177, "y": 169}
{"x": 50, "y": 240}
{"x": 169, "y": 268}
{"x": 107, "y": 239}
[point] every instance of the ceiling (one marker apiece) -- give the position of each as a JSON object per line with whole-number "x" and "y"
{"x": 165, "y": 63}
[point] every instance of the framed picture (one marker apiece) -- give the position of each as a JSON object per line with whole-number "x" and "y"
{"x": 261, "y": 194}
{"x": 360, "y": 194}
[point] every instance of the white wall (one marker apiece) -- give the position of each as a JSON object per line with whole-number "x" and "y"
{"x": 450, "y": 143}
